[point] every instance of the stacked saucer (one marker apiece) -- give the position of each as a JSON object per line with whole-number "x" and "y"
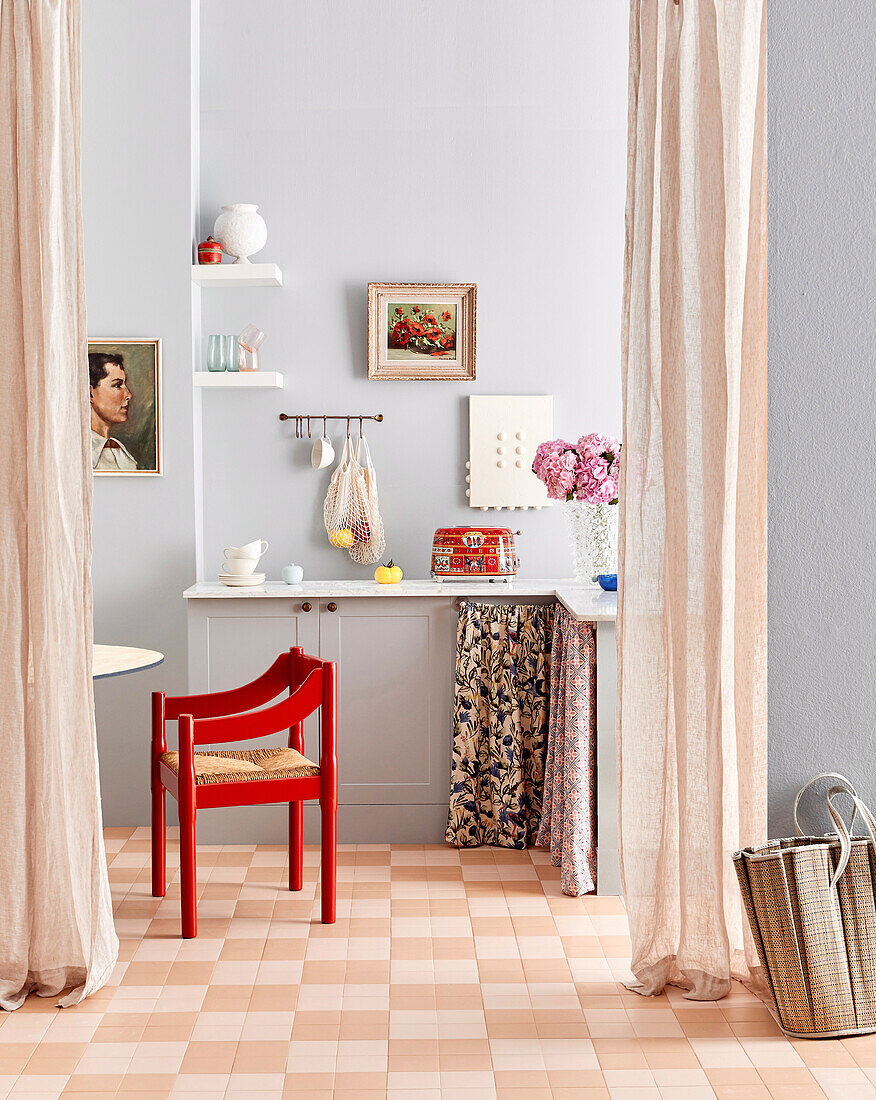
{"x": 236, "y": 580}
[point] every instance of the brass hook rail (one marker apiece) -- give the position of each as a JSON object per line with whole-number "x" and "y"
{"x": 300, "y": 421}
{"x": 319, "y": 416}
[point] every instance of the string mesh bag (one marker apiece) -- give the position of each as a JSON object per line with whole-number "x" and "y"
{"x": 352, "y": 519}
{"x": 368, "y": 548}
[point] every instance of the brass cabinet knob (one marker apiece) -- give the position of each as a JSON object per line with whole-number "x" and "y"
{"x": 332, "y": 606}
{"x": 307, "y": 607}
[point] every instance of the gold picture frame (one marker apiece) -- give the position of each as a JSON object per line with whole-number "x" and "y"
{"x": 422, "y": 332}
{"x": 125, "y": 395}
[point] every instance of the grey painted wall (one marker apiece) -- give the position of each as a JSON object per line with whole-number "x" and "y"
{"x": 490, "y": 148}
{"x": 822, "y": 307}
{"x": 137, "y": 195}
{"x": 495, "y": 153}
{"x": 396, "y": 141}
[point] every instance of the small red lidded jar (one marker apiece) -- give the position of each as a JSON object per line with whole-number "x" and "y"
{"x": 209, "y": 252}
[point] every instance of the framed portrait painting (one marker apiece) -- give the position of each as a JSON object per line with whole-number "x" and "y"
{"x": 124, "y": 378}
{"x": 422, "y": 331}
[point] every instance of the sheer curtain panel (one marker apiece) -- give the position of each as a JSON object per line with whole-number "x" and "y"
{"x": 56, "y": 928}
{"x": 692, "y": 608}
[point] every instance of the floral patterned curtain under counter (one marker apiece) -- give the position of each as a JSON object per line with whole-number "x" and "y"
{"x": 500, "y": 724}
{"x": 568, "y": 822}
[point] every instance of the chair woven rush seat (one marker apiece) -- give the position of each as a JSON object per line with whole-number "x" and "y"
{"x": 213, "y": 778}
{"x": 241, "y": 765}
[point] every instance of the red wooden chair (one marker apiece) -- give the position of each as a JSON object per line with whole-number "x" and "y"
{"x": 250, "y": 777}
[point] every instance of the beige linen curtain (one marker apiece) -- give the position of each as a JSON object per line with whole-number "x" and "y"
{"x": 692, "y": 612}
{"x": 56, "y": 929}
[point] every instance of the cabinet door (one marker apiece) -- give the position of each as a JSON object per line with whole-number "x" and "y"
{"x": 395, "y": 675}
{"x": 233, "y": 641}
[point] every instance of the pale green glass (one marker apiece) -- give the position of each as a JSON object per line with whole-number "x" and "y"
{"x": 215, "y": 358}
{"x": 229, "y": 352}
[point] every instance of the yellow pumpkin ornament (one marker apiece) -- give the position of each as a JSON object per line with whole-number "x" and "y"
{"x": 388, "y": 574}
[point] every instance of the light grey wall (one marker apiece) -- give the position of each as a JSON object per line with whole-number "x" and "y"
{"x": 822, "y": 397}
{"x": 393, "y": 140}
{"x": 490, "y": 148}
{"x": 484, "y": 145}
{"x": 136, "y": 171}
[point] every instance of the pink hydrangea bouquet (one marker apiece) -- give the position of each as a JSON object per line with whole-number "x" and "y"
{"x": 587, "y": 470}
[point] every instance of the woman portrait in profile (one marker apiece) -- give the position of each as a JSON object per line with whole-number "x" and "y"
{"x": 110, "y": 402}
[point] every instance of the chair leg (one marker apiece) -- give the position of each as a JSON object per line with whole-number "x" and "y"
{"x": 296, "y": 845}
{"x": 329, "y": 810}
{"x": 159, "y": 840}
{"x": 188, "y": 868}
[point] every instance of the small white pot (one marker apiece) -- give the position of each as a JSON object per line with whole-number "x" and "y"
{"x": 241, "y": 231}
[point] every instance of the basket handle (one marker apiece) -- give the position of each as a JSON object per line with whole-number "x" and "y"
{"x": 847, "y": 786}
{"x": 843, "y": 832}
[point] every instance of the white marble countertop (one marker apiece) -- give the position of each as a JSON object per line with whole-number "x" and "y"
{"x": 588, "y": 604}
{"x": 591, "y": 604}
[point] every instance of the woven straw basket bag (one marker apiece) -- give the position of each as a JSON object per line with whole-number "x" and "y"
{"x": 811, "y": 904}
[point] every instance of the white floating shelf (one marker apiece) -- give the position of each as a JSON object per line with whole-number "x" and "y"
{"x": 237, "y": 275}
{"x": 244, "y": 380}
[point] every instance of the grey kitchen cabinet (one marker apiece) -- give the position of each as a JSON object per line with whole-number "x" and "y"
{"x": 395, "y": 691}
{"x": 395, "y": 652}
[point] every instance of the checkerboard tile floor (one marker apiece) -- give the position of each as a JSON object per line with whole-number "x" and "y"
{"x": 448, "y": 974}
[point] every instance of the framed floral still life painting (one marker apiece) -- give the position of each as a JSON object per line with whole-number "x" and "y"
{"x": 422, "y": 331}
{"x": 124, "y": 378}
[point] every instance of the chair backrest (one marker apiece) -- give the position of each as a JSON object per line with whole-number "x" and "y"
{"x": 311, "y": 683}
{"x": 263, "y": 689}
{"x": 303, "y": 699}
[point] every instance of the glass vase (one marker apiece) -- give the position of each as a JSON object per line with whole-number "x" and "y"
{"x": 593, "y": 536}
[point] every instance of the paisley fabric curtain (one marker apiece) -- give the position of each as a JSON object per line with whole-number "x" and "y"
{"x": 56, "y": 926}
{"x": 568, "y": 820}
{"x": 692, "y": 606}
{"x": 501, "y": 703}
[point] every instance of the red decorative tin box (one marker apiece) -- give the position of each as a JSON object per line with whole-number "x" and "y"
{"x": 462, "y": 552}
{"x": 209, "y": 252}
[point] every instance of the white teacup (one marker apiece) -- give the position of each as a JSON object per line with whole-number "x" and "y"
{"x": 250, "y": 550}
{"x": 322, "y": 454}
{"x": 240, "y": 567}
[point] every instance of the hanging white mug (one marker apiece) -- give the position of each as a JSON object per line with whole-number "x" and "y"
{"x": 322, "y": 454}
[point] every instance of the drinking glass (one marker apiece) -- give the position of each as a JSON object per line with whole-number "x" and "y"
{"x": 215, "y": 358}
{"x": 251, "y": 339}
{"x": 229, "y": 352}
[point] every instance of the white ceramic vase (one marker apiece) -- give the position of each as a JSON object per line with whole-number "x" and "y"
{"x": 241, "y": 231}
{"x": 593, "y": 535}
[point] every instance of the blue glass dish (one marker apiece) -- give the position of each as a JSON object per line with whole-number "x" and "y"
{"x": 607, "y": 582}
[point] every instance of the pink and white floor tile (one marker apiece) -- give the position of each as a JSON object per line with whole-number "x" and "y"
{"x": 448, "y": 974}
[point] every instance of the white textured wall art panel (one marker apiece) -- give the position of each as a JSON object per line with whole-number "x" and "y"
{"x": 503, "y": 435}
